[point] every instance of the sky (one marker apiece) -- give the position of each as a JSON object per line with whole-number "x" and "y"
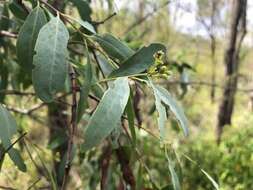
{"x": 186, "y": 21}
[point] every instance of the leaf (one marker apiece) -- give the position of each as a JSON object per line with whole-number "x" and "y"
{"x": 4, "y": 15}
{"x": 130, "y": 117}
{"x": 215, "y": 184}
{"x": 164, "y": 96}
{"x": 138, "y": 62}
{"x": 85, "y": 89}
{"x": 162, "y": 115}
{"x": 84, "y": 9}
{"x": 27, "y": 37}
{"x": 50, "y": 60}
{"x": 174, "y": 177}
{"x": 114, "y": 47}
{"x": 17, "y": 10}
{"x": 88, "y": 26}
{"x": 8, "y": 128}
{"x": 107, "y": 115}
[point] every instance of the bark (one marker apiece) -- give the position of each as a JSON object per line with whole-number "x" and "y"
{"x": 213, "y": 47}
{"x": 237, "y": 33}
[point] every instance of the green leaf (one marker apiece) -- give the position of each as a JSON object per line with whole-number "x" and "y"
{"x": 130, "y": 117}
{"x": 174, "y": 177}
{"x": 138, "y": 62}
{"x": 114, "y": 47}
{"x": 17, "y": 10}
{"x": 215, "y": 184}
{"x": 50, "y": 60}
{"x": 8, "y": 128}
{"x": 107, "y": 115}
{"x": 88, "y": 26}
{"x": 162, "y": 115}
{"x": 163, "y": 96}
{"x": 4, "y": 15}
{"x": 85, "y": 89}
{"x": 27, "y": 37}
{"x": 84, "y": 9}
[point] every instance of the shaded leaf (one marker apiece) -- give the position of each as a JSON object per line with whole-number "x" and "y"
{"x": 84, "y": 9}
{"x": 130, "y": 117}
{"x": 50, "y": 60}
{"x": 17, "y": 10}
{"x": 114, "y": 47}
{"x": 8, "y": 128}
{"x": 107, "y": 115}
{"x": 138, "y": 62}
{"x": 27, "y": 37}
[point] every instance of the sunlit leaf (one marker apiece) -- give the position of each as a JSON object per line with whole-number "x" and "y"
{"x": 163, "y": 96}
{"x": 50, "y": 60}
{"x": 107, "y": 115}
{"x": 114, "y": 47}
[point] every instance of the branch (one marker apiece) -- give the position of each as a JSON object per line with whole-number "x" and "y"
{"x": 16, "y": 92}
{"x": 103, "y": 21}
{"x": 4, "y": 33}
{"x": 73, "y": 125}
{"x": 17, "y": 140}
{"x": 141, "y": 20}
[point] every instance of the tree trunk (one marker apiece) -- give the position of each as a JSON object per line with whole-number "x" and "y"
{"x": 237, "y": 33}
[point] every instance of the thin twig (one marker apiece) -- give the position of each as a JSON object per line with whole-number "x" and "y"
{"x": 8, "y": 34}
{"x": 73, "y": 125}
{"x": 34, "y": 184}
{"x": 17, "y": 140}
{"x": 141, "y": 20}
{"x": 96, "y": 23}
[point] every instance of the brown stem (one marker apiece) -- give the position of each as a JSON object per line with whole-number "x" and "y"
{"x": 73, "y": 125}
{"x": 8, "y": 34}
{"x": 105, "y": 162}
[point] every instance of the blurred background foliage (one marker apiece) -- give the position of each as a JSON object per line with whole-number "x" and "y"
{"x": 138, "y": 23}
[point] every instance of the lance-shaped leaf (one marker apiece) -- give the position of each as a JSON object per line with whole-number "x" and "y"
{"x": 162, "y": 117}
{"x": 163, "y": 96}
{"x": 50, "y": 60}
{"x": 107, "y": 115}
{"x": 8, "y": 128}
{"x": 114, "y": 47}
{"x": 138, "y": 62}
{"x": 174, "y": 177}
{"x": 27, "y": 37}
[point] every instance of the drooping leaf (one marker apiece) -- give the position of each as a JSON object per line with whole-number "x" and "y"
{"x": 8, "y": 128}
{"x": 27, "y": 37}
{"x": 85, "y": 89}
{"x": 50, "y": 60}
{"x": 107, "y": 115}
{"x": 163, "y": 96}
{"x": 138, "y": 62}
{"x": 130, "y": 117}
{"x": 84, "y": 9}
{"x": 162, "y": 117}
{"x": 4, "y": 15}
{"x": 174, "y": 177}
{"x": 215, "y": 184}
{"x": 18, "y": 10}
{"x": 114, "y": 47}
{"x": 88, "y": 26}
